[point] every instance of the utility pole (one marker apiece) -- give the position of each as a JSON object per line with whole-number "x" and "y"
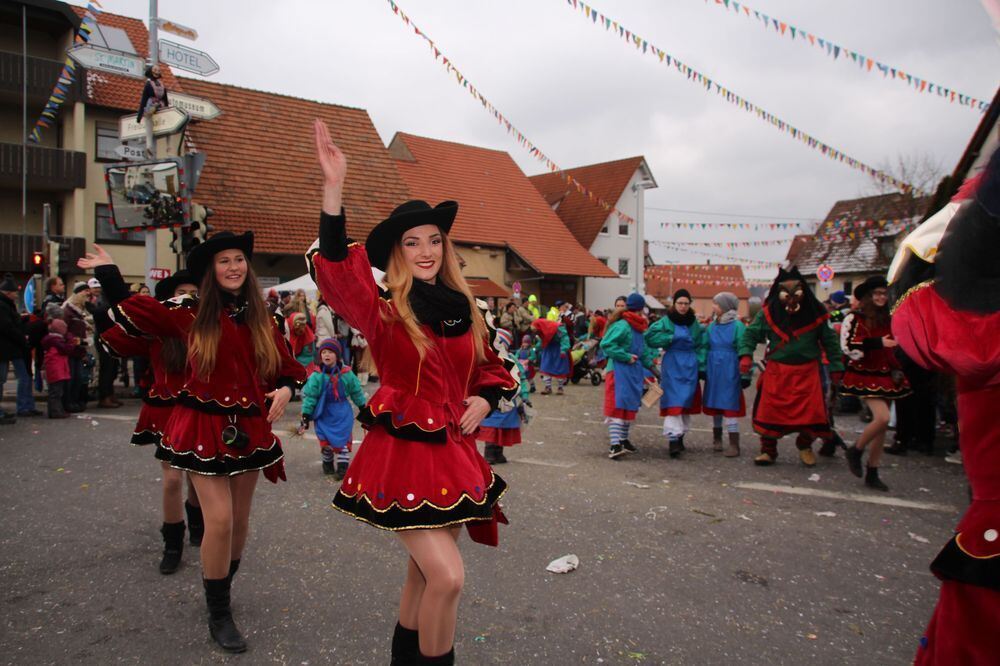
{"x": 154, "y": 59}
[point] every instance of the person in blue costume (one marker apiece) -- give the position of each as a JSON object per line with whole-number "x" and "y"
{"x": 326, "y": 401}
{"x": 723, "y": 397}
{"x": 554, "y": 362}
{"x": 685, "y": 348}
{"x": 628, "y": 358}
{"x": 503, "y": 428}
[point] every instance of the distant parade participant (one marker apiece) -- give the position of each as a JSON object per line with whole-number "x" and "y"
{"x": 527, "y": 356}
{"x": 168, "y": 361}
{"x": 795, "y": 326}
{"x": 628, "y": 358}
{"x": 554, "y": 362}
{"x": 685, "y": 348}
{"x": 326, "y": 401}
{"x": 502, "y": 429}
{"x": 239, "y": 377}
{"x": 418, "y": 472}
{"x": 947, "y": 321}
{"x": 874, "y": 374}
{"x": 723, "y": 397}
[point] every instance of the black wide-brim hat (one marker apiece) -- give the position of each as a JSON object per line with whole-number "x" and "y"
{"x": 414, "y": 213}
{"x": 870, "y": 285}
{"x": 164, "y": 289}
{"x": 200, "y": 258}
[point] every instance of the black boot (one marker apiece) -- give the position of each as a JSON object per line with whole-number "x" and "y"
{"x": 717, "y": 438}
{"x": 628, "y": 446}
{"x": 196, "y": 523}
{"x": 853, "y": 455}
{"x": 340, "y": 472}
{"x": 675, "y": 447}
{"x": 444, "y": 659}
{"x": 872, "y": 480}
{"x": 490, "y": 454}
{"x": 173, "y": 546}
{"x": 680, "y": 440}
{"x": 328, "y": 467}
{"x": 234, "y": 566}
{"x": 828, "y": 448}
{"x": 405, "y": 646}
{"x": 220, "y": 616}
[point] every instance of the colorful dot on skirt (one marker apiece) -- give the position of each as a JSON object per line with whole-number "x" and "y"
{"x": 444, "y": 491}
{"x": 381, "y": 496}
{"x": 923, "y": 642}
{"x": 359, "y": 487}
{"x": 409, "y": 497}
{"x": 478, "y": 489}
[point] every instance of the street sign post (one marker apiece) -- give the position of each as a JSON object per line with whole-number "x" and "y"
{"x": 159, "y": 273}
{"x": 825, "y": 273}
{"x": 131, "y": 153}
{"x": 167, "y": 121}
{"x": 178, "y": 29}
{"x": 108, "y": 60}
{"x": 187, "y": 58}
{"x": 198, "y": 108}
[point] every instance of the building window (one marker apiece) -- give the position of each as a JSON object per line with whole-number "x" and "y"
{"x": 623, "y": 267}
{"x": 623, "y": 228}
{"x": 604, "y": 229}
{"x": 603, "y": 260}
{"x": 107, "y": 142}
{"x": 848, "y": 287}
{"x": 105, "y": 232}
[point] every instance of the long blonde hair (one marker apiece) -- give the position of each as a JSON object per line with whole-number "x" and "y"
{"x": 399, "y": 282}
{"x": 206, "y": 332}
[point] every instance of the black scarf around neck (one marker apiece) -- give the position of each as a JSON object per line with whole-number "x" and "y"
{"x": 681, "y": 319}
{"x": 440, "y": 307}
{"x": 235, "y": 307}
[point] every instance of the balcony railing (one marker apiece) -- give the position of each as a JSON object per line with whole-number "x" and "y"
{"x": 42, "y": 75}
{"x": 49, "y": 169}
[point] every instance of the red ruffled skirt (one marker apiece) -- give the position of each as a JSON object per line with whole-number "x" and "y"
{"x": 790, "y": 399}
{"x": 499, "y": 436}
{"x": 152, "y": 421}
{"x": 397, "y": 484}
{"x": 610, "y": 411}
{"x": 877, "y": 383}
{"x": 192, "y": 441}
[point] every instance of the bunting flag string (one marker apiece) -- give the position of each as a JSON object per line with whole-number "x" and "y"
{"x": 503, "y": 121}
{"x": 694, "y": 76}
{"x": 832, "y": 228}
{"x": 753, "y": 263}
{"x": 864, "y": 63}
{"x": 733, "y": 225}
{"x": 682, "y": 277}
{"x": 66, "y": 77}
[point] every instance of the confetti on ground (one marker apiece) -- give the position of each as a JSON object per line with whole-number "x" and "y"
{"x": 917, "y": 537}
{"x": 704, "y": 513}
{"x": 94, "y": 423}
{"x": 745, "y": 517}
{"x": 635, "y": 484}
{"x": 812, "y": 637}
{"x": 563, "y": 564}
{"x": 814, "y": 477}
{"x": 826, "y": 514}
{"x": 84, "y": 486}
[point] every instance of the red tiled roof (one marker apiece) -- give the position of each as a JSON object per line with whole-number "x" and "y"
{"x": 663, "y": 280}
{"x": 497, "y": 203}
{"x": 584, "y": 217}
{"x": 121, "y": 92}
{"x": 484, "y": 287}
{"x": 795, "y": 247}
{"x": 261, "y": 172}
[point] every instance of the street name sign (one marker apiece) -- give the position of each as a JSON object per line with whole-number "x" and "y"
{"x": 168, "y": 121}
{"x": 107, "y": 60}
{"x": 187, "y": 58}
{"x": 177, "y": 29}
{"x": 198, "y": 108}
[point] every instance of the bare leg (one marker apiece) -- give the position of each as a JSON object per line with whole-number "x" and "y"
{"x": 192, "y": 493}
{"x": 439, "y": 561}
{"x": 876, "y": 430}
{"x": 173, "y": 500}
{"x": 242, "y": 487}
{"x": 413, "y": 590}
{"x": 217, "y": 508}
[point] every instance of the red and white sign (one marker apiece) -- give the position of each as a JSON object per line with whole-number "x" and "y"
{"x": 825, "y": 273}
{"x": 159, "y": 273}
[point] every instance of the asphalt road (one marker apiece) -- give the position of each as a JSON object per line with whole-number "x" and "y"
{"x": 681, "y": 562}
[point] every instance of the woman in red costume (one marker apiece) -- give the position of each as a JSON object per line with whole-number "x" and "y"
{"x": 949, "y": 324}
{"x": 418, "y": 472}
{"x": 873, "y": 372}
{"x": 165, "y": 377}
{"x": 220, "y": 427}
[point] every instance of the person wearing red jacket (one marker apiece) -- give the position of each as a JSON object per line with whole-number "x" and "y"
{"x": 220, "y": 428}
{"x": 58, "y": 346}
{"x": 418, "y": 472}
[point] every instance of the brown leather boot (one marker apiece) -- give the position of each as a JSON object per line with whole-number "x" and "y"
{"x": 108, "y": 403}
{"x": 734, "y": 446}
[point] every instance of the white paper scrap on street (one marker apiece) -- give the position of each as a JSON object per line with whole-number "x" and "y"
{"x": 564, "y": 564}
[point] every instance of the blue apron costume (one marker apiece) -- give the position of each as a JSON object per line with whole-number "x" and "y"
{"x": 629, "y": 376}
{"x": 334, "y": 417}
{"x": 679, "y": 376}
{"x": 722, "y": 384}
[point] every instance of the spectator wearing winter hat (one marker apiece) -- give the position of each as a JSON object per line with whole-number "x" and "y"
{"x": 81, "y": 325}
{"x": 59, "y": 346}
{"x": 326, "y": 400}
{"x": 14, "y": 350}
{"x": 107, "y": 365}
{"x": 685, "y": 345}
{"x": 502, "y": 429}
{"x": 839, "y": 306}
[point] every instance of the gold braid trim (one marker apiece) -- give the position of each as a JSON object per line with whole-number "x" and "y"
{"x": 909, "y": 292}
{"x": 395, "y": 504}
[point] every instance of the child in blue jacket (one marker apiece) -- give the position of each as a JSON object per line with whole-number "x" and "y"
{"x": 326, "y": 400}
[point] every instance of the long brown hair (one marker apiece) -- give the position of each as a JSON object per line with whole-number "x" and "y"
{"x": 399, "y": 281}
{"x": 206, "y": 330}
{"x": 874, "y": 316}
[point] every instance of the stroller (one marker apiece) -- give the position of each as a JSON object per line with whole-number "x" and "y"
{"x": 587, "y": 362}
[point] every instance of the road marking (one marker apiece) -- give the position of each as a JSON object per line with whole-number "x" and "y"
{"x": 557, "y": 418}
{"x": 543, "y": 463}
{"x": 109, "y": 417}
{"x": 852, "y": 497}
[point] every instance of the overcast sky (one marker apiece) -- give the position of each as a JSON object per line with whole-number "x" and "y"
{"x": 583, "y": 96}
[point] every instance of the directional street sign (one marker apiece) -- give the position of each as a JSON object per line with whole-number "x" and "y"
{"x": 177, "y": 29}
{"x": 107, "y": 60}
{"x": 187, "y": 58}
{"x": 134, "y": 153}
{"x": 198, "y": 108}
{"x": 168, "y": 121}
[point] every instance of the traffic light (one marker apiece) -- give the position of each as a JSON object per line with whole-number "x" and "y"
{"x": 196, "y": 233}
{"x": 38, "y": 262}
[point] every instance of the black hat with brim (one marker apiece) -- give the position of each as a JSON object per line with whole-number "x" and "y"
{"x": 870, "y": 285}
{"x": 164, "y": 289}
{"x": 411, "y": 214}
{"x": 200, "y": 258}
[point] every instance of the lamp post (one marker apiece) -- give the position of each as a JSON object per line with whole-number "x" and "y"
{"x": 640, "y": 265}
